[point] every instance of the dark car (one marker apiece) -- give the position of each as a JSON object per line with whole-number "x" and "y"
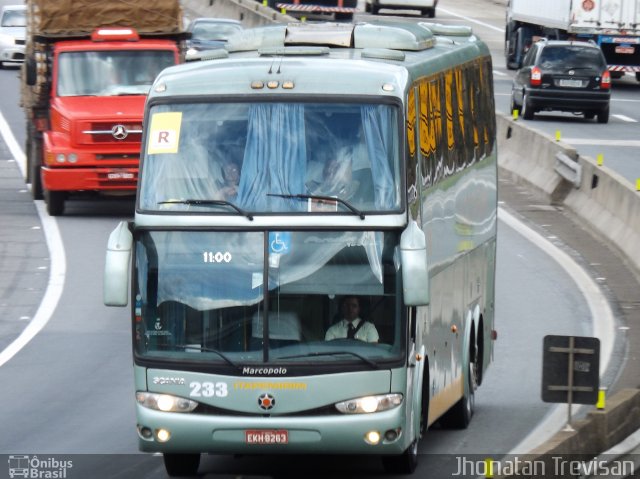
{"x": 211, "y": 33}
{"x": 562, "y": 75}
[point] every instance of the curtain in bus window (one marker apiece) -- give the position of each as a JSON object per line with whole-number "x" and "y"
{"x": 274, "y": 158}
{"x": 309, "y": 252}
{"x": 378, "y": 131}
{"x": 209, "y": 271}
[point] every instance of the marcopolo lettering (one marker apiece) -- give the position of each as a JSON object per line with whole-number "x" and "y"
{"x": 263, "y": 371}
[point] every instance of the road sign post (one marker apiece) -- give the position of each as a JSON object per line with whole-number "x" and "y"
{"x": 570, "y": 371}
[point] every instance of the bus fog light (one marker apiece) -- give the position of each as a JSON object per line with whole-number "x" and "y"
{"x": 73, "y": 158}
{"x": 391, "y": 435}
{"x": 372, "y": 437}
{"x": 145, "y": 433}
{"x": 60, "y": 158}
{"x": 163, "y": 435}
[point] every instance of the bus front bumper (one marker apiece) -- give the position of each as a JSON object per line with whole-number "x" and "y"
{"x": 339, "y": 434}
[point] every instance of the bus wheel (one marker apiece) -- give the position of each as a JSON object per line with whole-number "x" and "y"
{"x": 55, "y": 202}
{"x": 459, "y": 416}
{"x": 181, "y": 464}
{"x": 405, "y": 463}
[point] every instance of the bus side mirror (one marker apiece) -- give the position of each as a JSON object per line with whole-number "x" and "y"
{"x": 415, "y": 271}
{"x": 116, "y": 269}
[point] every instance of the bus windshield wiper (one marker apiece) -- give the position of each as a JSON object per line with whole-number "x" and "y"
{"x": 333, "y": 353}
{"x": 186, "y": 347}
{"x": 321, "y": 197}
{"x": 208, "y": 203}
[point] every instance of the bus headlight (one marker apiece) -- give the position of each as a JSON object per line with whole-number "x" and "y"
{"x": 369, "y": 404}
{"x": 165, "y": 402}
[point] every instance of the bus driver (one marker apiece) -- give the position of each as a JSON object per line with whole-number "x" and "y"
{"x": 351, "y": 326}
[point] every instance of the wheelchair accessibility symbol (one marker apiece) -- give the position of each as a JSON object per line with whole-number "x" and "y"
{"x": 279, "y": 242}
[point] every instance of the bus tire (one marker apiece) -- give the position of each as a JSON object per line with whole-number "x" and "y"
{"x": 55, "y": 202}
{"x": 459, "y": 416}
{"x": 181, "y": 464}
{"x": 405, "y": 463}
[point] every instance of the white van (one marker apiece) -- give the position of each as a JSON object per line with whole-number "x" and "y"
{"x": 426, "y": 7}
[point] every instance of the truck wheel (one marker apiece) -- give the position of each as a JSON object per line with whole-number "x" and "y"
{"x": 429, "y": 12}
{"x": 344, "y": 17}
{"x": 34, "y": 159}
{"x": 181, "y": 464}
{"x": 55, "y": 202}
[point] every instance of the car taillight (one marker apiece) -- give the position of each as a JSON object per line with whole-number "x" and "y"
{"x": 605, "y": 81}
{"x": 536, "y": 76}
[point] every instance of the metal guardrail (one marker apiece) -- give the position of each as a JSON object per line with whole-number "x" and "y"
{"x": 568, "y": 168}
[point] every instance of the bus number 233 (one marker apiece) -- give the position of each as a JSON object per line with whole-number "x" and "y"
{"x": 208, "y": 389}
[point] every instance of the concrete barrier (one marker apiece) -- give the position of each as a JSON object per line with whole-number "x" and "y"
{"x": 568, "y": 450}
{"x": 604, "y": 201}
{"x": 608, "y": 204}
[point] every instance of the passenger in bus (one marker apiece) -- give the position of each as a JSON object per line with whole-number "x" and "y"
{"x": 337, "y": 178}
{"x": 351, "y": 326}
{"x": 231, "y": 175}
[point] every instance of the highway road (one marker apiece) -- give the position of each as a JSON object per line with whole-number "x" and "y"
{"x": 69, "y": 390}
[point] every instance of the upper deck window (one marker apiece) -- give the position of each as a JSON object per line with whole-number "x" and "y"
{"x": 213, "y": 157}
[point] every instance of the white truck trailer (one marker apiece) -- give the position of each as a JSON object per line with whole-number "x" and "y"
{"x": 613, "y": 24}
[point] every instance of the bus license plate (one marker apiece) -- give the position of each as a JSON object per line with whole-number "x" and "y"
{"x": 266, "y": 436}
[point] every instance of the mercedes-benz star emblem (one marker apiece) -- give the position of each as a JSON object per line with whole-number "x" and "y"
{"x": 119, "y": 132}
{"x": 571, "y": 72}
{"x": 266, "y": 401}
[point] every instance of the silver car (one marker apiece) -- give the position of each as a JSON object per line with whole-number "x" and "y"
{"x": 12, "y": 34}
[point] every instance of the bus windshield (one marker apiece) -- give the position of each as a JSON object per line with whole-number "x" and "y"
{"x": 201, "y": 297}
{"x": 271, "y": 158}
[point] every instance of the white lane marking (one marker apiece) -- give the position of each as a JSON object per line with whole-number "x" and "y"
{"x": 625, "y": 118}
{"x": 471, "y": 20}
{"x": 603, "y": 326}
{"x": 12, "y": 144}
{"x": 58, "y": 262}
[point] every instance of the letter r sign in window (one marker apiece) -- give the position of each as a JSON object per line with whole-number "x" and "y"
{"x": 164, "y": 133}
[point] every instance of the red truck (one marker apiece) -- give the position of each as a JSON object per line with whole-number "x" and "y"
{"x": 87, "y": 71}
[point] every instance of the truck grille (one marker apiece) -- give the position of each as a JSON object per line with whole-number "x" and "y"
{"x": 117, "y": 133}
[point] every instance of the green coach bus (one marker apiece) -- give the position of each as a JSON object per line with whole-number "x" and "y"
{"x": 312, "y": 257}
